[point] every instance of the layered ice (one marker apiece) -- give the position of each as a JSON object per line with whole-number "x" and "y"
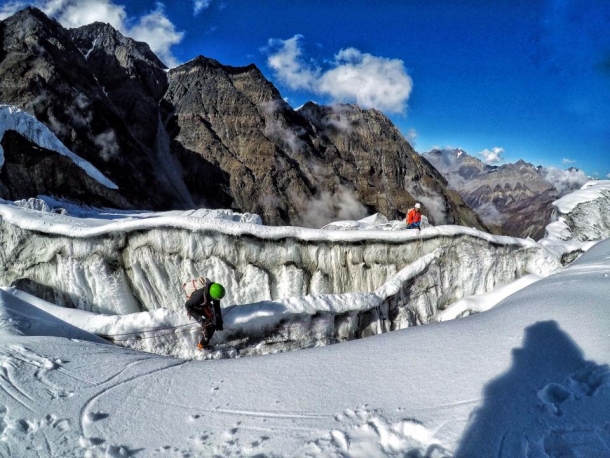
{"x": 579, "y": 220}
{"x": 13, "y": 118}
{"x": 586, "y": 211}
{"x": 288, "y": 287}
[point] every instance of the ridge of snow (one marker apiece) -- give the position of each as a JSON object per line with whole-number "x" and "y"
{"x": 591, "y": 190}
{"x": 13, "y": 118}
{"x": 105, "y": 222}
{"x": 580, "y": 219}
{"x": 483, "y": 302}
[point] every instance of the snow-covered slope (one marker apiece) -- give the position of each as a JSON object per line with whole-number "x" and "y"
{"x": 528, "y": 378}
{"x": 12, "y": 118}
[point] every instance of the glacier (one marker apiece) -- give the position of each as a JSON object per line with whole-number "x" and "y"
{"x": 288, "y": 287}
{"x": 578, "y": 221}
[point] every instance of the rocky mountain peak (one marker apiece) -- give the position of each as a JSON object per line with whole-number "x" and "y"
{"x": 31, "y": 19}
{"x": 95, "y": 106}
{"x": 116, "y": 57}
{"x": 101, "y": 36}
{"x": 512, "y": 196}
{"x": 211, "y": 74}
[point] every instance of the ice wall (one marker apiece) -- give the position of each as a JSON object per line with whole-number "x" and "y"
{"x": 142, "y": 267}
{"x": 287, "y": 287}
{"x": 586, "y": 211}
{"x": 579, "y": 220}
{"x": 404, "y": 300}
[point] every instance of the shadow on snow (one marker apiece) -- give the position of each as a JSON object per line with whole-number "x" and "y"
{"x": 550, "y": 403}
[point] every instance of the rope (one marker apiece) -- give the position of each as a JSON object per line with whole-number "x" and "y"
{"x": 149, "y": 330}
{"x": 142, "y": 331}
{"x": 111, "y": 337}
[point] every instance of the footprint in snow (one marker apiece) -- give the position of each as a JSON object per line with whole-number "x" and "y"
{"x": 552, "y": 396}
{"x": 92, "y": 417}
{"x": 584, "y": 383}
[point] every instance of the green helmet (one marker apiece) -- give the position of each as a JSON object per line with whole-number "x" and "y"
{"x": 217, "y": 291}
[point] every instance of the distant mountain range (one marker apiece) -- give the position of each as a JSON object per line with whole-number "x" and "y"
{"x": 513, "y": 198}
{"x": 199, "y": 135}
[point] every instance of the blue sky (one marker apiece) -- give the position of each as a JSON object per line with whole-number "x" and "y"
{"x": 503, "y": 79}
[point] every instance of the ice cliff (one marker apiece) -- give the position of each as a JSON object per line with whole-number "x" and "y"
{"x": 579, "y": 220}
{"x": 586, "y": 211}
{"x": 288, "y": 287}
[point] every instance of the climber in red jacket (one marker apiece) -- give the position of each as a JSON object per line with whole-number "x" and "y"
{"x": 414, "y": 217}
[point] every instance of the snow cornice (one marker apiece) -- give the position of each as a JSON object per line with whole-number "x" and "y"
{"x": 74, "y": 227}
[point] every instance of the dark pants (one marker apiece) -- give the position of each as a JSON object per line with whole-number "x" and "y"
{"x": 413, "y": 226}
{"x": 207, "y": 330}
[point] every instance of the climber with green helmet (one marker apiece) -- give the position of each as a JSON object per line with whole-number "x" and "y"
{"x": 203, "y": 304}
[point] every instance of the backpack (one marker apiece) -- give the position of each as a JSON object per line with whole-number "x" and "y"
{"x": 193, "y": 285}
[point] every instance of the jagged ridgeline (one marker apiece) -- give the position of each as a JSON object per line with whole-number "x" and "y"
{"x": 200, "y": 135}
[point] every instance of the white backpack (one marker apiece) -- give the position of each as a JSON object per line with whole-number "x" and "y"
{"x": 193, "y": 285}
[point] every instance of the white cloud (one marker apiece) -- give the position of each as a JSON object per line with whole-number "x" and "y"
{"x": 77, "y": 13}
{"x": 287, "y": 135}
{"x": 565, "y": 161}
{"x": 492, "y": 156}
{"x": 160, "y": 34}
{"x": 434, "y": 206}
{"x": 328, "y": 207}
{"x": 200, "y": 5}
{"x": 564, "y": 181}
{"x": 288, "y": 66}
{"x": 354, "y": 76}
{"x": 608, "y": 176}
{"x": 411, "y": 136}
{"x": 153, "y": 28}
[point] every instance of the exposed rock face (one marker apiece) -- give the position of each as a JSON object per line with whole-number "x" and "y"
{"x": 44, "y": 72}
{"x": 206, "y": 134}
{"x": 513, "y": 196}
{"x": 30, "y": 170}
{"x": 217, "y": 118}
{"x": 133, "y": 78}
{"x": 364, "y": 148}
